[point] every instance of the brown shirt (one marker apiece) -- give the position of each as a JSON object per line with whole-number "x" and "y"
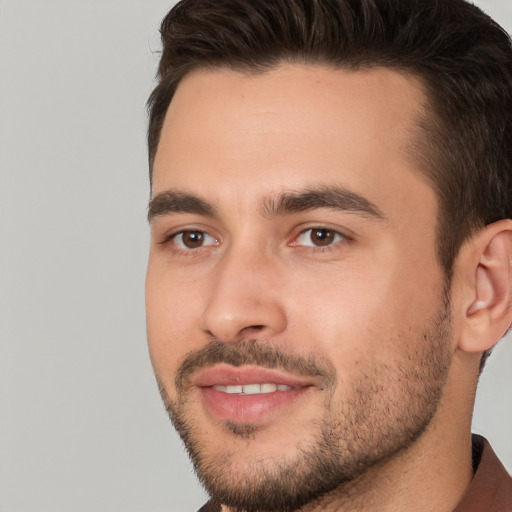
{"x": 489, "y": 491}
{"x": 491, "y": 487}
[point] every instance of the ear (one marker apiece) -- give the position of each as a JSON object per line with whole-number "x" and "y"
{"x": 486, "y": 262}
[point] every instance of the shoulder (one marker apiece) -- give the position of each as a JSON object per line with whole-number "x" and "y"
{"x": 491, "y": 487}
{"x": 211, "y": 506}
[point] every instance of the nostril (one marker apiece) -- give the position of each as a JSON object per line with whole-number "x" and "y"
{"x": 253, "y": 328}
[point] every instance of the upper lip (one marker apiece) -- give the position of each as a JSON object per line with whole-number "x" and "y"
{"x": 226, "y": 375}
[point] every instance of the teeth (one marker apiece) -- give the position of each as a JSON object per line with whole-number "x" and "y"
{"x": 253, "y": 389}
{"x": 268, "y": 388}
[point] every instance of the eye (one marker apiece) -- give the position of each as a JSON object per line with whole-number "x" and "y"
{"x": 319, "y": 237}
{"x": 192, "y": 240}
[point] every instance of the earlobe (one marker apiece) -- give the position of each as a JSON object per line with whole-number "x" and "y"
{"x": 489, "y": 291}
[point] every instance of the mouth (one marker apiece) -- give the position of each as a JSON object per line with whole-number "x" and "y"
{"x": 253, "y": 389}
{"x": 247, "y": 394}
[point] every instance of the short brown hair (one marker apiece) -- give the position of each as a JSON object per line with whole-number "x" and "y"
{"x": 462, "y": 57}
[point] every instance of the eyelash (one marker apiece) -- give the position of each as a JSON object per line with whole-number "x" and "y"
{"x": 338, "y": 237}
{"x": 170, "y": 241}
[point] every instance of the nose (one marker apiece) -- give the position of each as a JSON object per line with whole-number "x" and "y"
{"x": 244, "y": 300}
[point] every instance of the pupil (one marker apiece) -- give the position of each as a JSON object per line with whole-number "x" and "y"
{"x": 193, "y": 239}
{"x": 322, "y": 237}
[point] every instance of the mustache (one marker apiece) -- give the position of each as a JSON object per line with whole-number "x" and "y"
{"x": 253, "y": 352}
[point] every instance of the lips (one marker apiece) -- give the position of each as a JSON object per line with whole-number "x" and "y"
{"x": 248, "y": 394}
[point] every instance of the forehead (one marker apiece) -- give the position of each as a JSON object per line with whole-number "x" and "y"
{"x": 291, "y": 127}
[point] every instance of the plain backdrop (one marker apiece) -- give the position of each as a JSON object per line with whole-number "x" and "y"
{"x": 82, "y": 427}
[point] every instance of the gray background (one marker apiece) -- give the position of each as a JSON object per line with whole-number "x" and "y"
{"x": 81, "y": 423}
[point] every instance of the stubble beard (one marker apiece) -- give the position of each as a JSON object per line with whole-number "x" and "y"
{"x": 387, "y": 408}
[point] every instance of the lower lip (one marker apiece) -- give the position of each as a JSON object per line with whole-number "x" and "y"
{"x": 244, "y": 409}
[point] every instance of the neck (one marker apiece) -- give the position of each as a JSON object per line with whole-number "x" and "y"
{"x": 426, "y": 477}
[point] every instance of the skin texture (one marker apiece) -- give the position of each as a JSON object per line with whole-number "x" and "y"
{"x": 345, "y": 299}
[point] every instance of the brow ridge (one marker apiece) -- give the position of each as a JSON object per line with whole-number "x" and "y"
{"x": 336, "y": 198}
{"x": 172, "y": 201}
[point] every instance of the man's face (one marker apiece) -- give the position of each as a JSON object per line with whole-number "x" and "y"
{"x": 297, "y": 317}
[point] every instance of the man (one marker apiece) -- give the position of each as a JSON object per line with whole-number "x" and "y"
{"x": 331, "y": 249}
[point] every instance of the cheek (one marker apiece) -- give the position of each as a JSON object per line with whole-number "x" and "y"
{"x": 172, "y": 312}
{"x": 365, "y": 309}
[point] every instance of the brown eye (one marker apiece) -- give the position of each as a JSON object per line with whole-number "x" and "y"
{"x": 319, "y": 237}
{"x": 193, "y": 239}
{"x": 322, "y": 237}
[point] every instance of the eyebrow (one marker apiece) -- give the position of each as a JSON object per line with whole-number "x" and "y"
{"x": 334, "y": 198}
{"x": 172, "y": 201}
